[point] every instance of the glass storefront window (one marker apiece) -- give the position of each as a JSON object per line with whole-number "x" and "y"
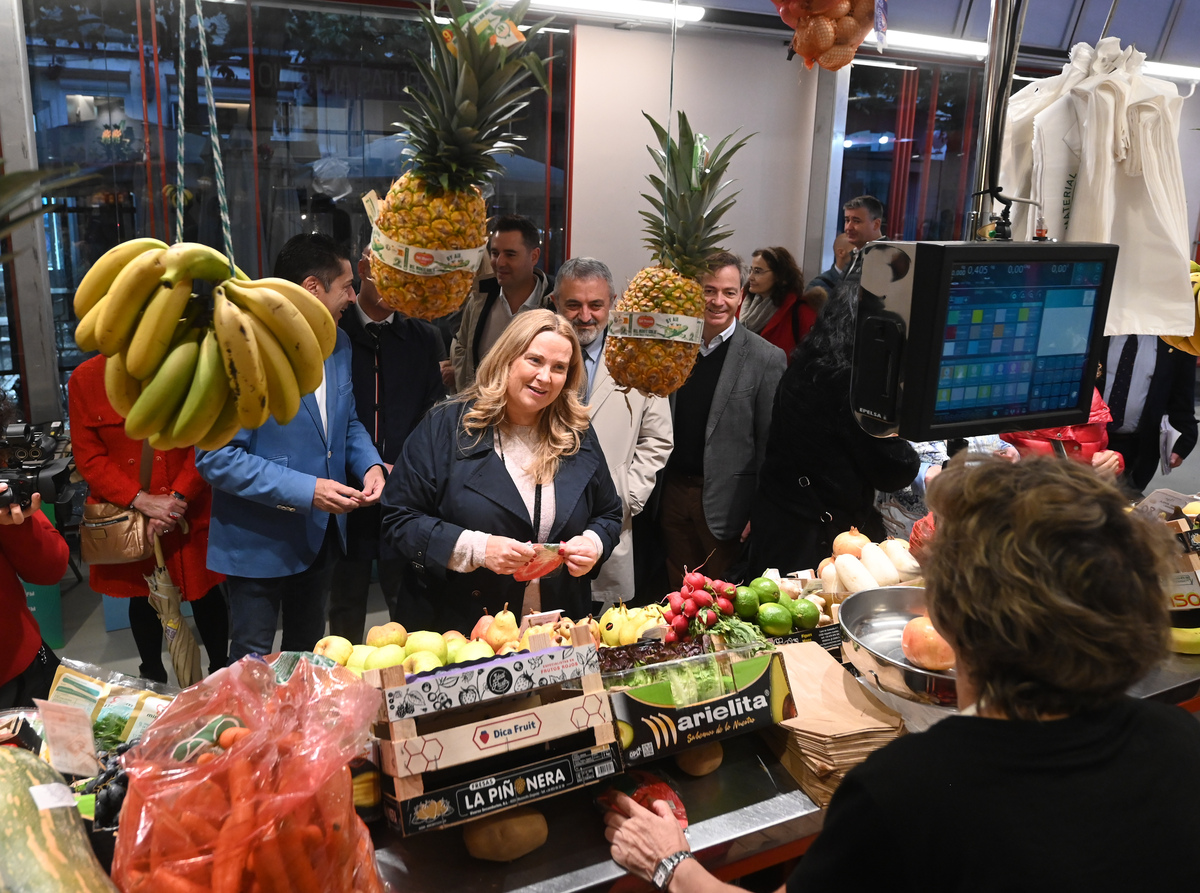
{"x": 308, "y": 96}
{"x": 910, "y": 141}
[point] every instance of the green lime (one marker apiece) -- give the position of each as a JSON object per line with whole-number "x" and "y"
{"x": 774, "y": 620}
{"x": 745, "y": 603}
{"x": 805, "y": 614}
{"x": 767, "y": 589}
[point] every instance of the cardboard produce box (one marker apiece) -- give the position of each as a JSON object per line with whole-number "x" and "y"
{"x": 683, "y": 703}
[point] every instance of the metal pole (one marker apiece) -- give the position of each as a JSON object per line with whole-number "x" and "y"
{"x": 1004, "y": 41}
{"x": 1112, "y": 11}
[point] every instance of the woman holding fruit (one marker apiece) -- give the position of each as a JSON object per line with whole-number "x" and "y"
{"x": 1051, "y": 777}
{"x": 507, "y": 465}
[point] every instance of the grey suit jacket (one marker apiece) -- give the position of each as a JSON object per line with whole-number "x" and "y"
{"x": 736, "y": 438}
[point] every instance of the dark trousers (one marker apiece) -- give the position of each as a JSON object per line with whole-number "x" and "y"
{"x": 255, "y": 603}
{"x": 212, "y": 622}
{"x": 33, "y": 682}
{"x": 688, "y": 540}
{"x": 1140, "y": 450}
{"x": 348, "y": 595}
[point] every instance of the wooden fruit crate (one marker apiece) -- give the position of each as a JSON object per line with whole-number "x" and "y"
{"x": 435, "y": 721}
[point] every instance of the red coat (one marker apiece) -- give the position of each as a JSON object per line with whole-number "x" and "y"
{"x": 1080, "y": 442}
{"x": 110, "y": 463}
{"x": 37, "y": 553}
{"x": 787, "y": 322}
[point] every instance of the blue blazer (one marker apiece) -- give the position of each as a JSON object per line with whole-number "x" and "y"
{"x": 263, "y": 521}
{"x": 445, "y": 483}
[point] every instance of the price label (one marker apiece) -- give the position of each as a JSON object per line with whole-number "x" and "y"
{"x": 68, "y": 734}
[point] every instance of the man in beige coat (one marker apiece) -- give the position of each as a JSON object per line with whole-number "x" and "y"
{"x": 635, "y": 431}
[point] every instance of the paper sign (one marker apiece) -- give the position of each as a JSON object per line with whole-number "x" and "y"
{"x": 68, "y": 733}
{"x": 51, "y": 796}
{"x": 1165, "y": 501}
{"x": 414, "y": 259}
{"x": 663, "y": 326}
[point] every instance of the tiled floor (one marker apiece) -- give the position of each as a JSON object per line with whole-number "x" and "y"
{"x": 87, "y": 640}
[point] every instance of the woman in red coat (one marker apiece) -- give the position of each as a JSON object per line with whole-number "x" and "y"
{"x": 111, "y": 464}
{"x": 774, "y": 308}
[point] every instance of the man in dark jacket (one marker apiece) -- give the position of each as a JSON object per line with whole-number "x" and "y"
{"x": 396, "y": 378}
{"x": 1142, "y": 379}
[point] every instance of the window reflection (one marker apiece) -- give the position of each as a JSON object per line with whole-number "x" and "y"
{"x": 306, "y": 100}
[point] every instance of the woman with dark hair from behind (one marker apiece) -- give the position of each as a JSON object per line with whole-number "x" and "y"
{"x": 821, "y": 469}
{"x": 1051, "y": 777}
{"x": 31, "y": 550}
{"x": 775, "y": 308}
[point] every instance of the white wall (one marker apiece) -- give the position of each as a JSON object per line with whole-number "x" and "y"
{"x": 723, "y": 81}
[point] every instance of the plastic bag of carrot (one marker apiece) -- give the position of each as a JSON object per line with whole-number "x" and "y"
{"x": 242, "y": 785}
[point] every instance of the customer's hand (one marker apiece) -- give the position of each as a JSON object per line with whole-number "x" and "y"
{"x": 640, "y": 837}
{"x": 505, "y": 555}
{"x": 581, "y": 555}
{"x": 13, "y": 515}
{"x": 167, "y": 507}
{"x": 1107, "y": 462}
{"x": 336, "y": 498}
{"x": 447, "y": 370}
{"x": 373, "y": 485}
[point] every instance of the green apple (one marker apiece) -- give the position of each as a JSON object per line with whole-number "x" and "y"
{"x": 336, "y": 648}
{"x": 424, "y": 640}
{"x": 420, "y": 662}
{"x": 474, "y": 651}
{"x": 387, "y": 656}
{"x": 390, "y": 633}
{"x": 359, "y": 656}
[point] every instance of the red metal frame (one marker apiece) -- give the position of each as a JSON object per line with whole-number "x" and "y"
{"x": 162, "y": 162}
{"x": 927, "y": 151}
{"x": 569, "y": 198}
{"x": 545, "y": 258}
{"x": 146, "y": 140}
{"x": 254, "y": 138}
{"x": 968, "y": 134}
{"x": 894, "y": 214}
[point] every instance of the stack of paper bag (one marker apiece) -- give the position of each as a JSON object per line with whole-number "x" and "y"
{"x": 837, "y": 724}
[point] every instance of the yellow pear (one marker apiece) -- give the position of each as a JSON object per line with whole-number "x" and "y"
{"x": 502, "y": 630}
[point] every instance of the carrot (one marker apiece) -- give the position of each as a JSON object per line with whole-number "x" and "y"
{"x": 232, "y": 736}
{"x": 169, "y": 841}
{"x": 269, "y": 869}
{"x": 202, "y": 831}
{"x": 241, "y": 780}
{"x": 299, "y": 866}
{"x": 164, "y": 881}
{"x": 366, "y": 878}
{"x": 233, "y": 847}
{"x": 313, "y": 836}
{"x": 206, "y": 799}
{"x": 205, "y": 758}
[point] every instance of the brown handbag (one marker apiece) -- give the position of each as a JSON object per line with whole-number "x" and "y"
{"x": 116, "y": 534}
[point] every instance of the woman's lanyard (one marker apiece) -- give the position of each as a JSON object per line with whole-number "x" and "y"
{"x": 537, "y": 491}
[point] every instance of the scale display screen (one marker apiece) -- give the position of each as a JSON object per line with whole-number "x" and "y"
{"x": 1016, "y": 339}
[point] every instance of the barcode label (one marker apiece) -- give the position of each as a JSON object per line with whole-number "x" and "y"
{"x": 605, "y": 769}
{"x": 647, "y": 750}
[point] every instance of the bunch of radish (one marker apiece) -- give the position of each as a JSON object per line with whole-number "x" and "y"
{"x": 828, "y": 32}
{"x": 696, "y": 606}
{"x": 858, "y": 564}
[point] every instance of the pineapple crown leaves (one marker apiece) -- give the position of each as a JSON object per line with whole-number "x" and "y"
{"x": 686, "y": 226}
{"x": 474, "y": 90}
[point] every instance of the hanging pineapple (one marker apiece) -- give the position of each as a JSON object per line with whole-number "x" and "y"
{"x": 431, "y": 228}
{"x": 683, "y": 230}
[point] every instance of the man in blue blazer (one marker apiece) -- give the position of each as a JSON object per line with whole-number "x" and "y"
{"x": 277, "y": 488}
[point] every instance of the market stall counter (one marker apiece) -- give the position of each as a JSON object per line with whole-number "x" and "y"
{"x": 746, "y": 815}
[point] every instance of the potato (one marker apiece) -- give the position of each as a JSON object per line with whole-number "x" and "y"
{"x": 702, "y": 759}
{"x": 506, "y": 835}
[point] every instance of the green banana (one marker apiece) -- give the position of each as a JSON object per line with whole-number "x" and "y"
{"x": 224, "y": 428}
{"x": 163, "y": 394}
{"x": 282, "y": 318}
{"x": 121, "y": 387}
{"x": 207, "y": 394}
{"x": 156, "y": 330}
{"x": 320, "y": 320}
{"x": 97, "y": 281}
{"x": 243, "y": 360}
{"x": 130, "y": 291}
{"x": 283, "y": 393}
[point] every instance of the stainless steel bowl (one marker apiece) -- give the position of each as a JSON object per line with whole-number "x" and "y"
{"x": 872, "y": 622}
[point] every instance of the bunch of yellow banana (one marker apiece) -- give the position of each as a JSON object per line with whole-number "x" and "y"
{"x": 179, "y": 379}
{"x": 1190, "y": 344}
{"x": 1185, "y": 641}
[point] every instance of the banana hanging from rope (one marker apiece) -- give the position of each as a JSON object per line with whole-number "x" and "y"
{"x": 97, "y": 281}
{"x": 284, "y": 320}
{"x": 165, "y": 392}
{"x": 243, "y": 360}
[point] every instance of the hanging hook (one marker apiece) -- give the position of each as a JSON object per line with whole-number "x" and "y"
{"x": 1191, "y": 90}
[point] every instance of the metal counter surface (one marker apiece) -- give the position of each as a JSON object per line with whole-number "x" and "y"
{"x": 1175, "y": 680}
{"x": 748, "y": 806}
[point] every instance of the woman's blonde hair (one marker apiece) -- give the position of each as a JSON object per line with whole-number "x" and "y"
{"x": 1044, "y": 582}
{"x": 562, "y": 424}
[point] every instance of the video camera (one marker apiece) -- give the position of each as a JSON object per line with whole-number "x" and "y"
{"x": 32, "y": 466}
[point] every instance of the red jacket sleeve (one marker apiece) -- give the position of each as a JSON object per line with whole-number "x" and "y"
{"x": 36, "y": 551}
{"x": 188, "y": 482}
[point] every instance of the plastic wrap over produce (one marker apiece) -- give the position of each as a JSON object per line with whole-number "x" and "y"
{"x": 242, "y": 784}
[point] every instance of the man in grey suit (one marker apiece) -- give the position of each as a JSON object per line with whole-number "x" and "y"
{"x": 722, "y": 415}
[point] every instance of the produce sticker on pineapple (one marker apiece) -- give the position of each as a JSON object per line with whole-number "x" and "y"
{"x": 663, "y": 326}
{"x": 414, "y": 259}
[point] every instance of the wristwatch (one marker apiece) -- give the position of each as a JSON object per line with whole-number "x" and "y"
{"x": 666, "y": 868}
